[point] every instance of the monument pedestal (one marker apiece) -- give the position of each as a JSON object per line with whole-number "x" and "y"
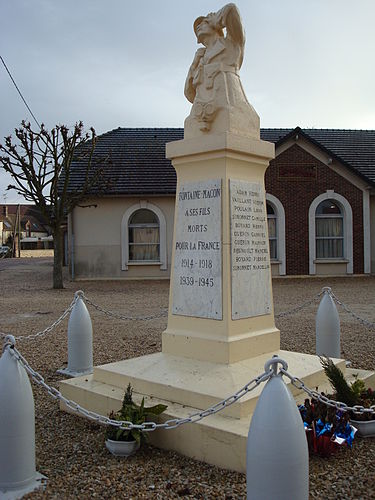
{"x": 201, "y": 384}
{"x": 187, "y": 386}
{"x": 220, "y": 306}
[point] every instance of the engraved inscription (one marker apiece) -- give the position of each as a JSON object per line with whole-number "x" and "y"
{"x": 197, "y": 282}
{"x": 251, "y": 286}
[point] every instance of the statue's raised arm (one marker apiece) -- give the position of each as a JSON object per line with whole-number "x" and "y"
{"x": 229, "y": 18}
{"x": 213, "y": 85}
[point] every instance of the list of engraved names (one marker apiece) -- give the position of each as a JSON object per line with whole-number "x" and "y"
{"x": 251, "y": 287}
{"x": 197, "y": 282}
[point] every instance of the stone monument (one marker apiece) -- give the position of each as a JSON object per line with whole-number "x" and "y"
{"x": 221, "y": 328}
{"x": 221, "y": 299}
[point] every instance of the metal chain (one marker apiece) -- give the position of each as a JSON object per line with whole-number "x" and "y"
{"x": 126, "y": 425}
{"x": 299, "y": 384}
{"x": 80, "y": 294}
{"x": 270, "y": 371}
{"x": 162, "y": 314}
{"x": 363, "y": 321}
{"x": 49, "y": 328}
{"x": 299, "y": 308}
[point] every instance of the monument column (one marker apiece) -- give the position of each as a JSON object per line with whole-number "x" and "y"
{"x": 220, "y": 306}
{"x": 221, "y": 298}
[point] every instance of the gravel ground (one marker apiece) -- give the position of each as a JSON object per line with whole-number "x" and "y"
{"x": 70, "y": 451}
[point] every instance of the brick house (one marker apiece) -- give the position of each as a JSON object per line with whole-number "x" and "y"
{"x": 320, "y": 205}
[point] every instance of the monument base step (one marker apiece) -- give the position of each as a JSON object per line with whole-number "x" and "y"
{"x": 218, "y": 439}
{"x": 201, "y": 384}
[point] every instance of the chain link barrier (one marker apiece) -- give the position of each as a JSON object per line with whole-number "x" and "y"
{"x": 49, "y": 329}
{"x": 365, "y": 322}
{"x": 300, "y": 307}
{"x": 270, "y": 371}
{"x": 162, "y": 314}
{"x": 126, "y": 425}
{"x": 80, "y": 294}
{"x": 300, "y": 385}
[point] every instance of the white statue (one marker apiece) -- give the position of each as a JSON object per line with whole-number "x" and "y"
{"x": 213, "y": 84}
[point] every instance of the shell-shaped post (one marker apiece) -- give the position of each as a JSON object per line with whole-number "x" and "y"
{"x": 18, "y": 474}
{"x": 277, "y": 464}
{"x": 80, "y": 350}
{"x": 327, "y": 327}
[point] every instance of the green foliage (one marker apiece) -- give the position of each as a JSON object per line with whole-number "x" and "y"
{"x": 128, "y": 397}
{"x": 136, "y": 414}
{"x": 358, "y": 387}
{"x": 344, "y": 392}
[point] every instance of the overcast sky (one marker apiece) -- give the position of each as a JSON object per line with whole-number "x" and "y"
{"x": 120, "y": 63}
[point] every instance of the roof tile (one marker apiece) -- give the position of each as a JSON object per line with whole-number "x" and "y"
{"x": 138, "y": 164}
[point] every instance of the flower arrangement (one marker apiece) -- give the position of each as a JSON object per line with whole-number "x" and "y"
{"x": 327, "y": 429}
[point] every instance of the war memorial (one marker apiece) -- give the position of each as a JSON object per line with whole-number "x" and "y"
{"x": 221, "y": 328}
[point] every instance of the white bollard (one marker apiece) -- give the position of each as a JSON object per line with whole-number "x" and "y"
{"x": 18, "y": 475}
{"x": 277, "y": 462}
{"x": 327, "y": 327}
{"x": 80, "y": 357}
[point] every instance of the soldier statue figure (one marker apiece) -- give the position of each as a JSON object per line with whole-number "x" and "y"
{"x": 213, "y": 84}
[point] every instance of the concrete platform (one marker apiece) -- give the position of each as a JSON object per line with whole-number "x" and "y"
{"x": 201, "y": 384}
{"x": 188, "y": 386}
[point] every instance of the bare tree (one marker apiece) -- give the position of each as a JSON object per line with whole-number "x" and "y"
{"x": 40, "y": 164}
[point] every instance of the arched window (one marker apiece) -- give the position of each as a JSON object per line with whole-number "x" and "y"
{"x": 329, "y": 230}
{"x": 144, "y": 236}
{"x": 272, "y": 230}
{"x": 276, "y": 233}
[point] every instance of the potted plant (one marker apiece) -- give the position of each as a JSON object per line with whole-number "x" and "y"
{"x": 354, "y": 394}
{"x": 122, "y": 442}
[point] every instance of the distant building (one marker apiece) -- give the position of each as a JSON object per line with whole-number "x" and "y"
{"x": 320, "y": 205}
{"x": 35, "y": 234}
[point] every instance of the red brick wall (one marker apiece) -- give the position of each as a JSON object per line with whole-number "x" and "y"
{"x": 296, "y": 178}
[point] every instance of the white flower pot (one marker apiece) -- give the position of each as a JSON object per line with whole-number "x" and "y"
{"x": 122, "y": 448}
{"x": 365, "y": 428}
